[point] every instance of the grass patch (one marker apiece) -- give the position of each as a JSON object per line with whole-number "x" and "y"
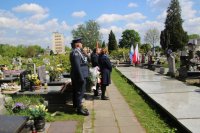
{"x": 146, "y": 114}
{"x": 35, "y": 100}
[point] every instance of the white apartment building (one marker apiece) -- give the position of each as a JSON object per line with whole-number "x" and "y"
{"x": 58, "y": 46}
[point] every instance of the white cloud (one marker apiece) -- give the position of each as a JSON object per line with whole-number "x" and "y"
{"x": 79, "y": 14}
{"x": 162, "y": 16}
{"x": 192, "y": 25}
{"x": 141, "y": 28}
{"x": 158, "y": 4}
{"x": 187, "y": 10}
{"x": 116, "y": 30}
{"x": 15, "y": 30}
{"x": 30, "y": 8}
{"x": 109, "y": 18}
{"x": 132, "y": 5}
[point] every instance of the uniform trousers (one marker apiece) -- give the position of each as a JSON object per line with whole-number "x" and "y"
{"x": 78, "y": 92}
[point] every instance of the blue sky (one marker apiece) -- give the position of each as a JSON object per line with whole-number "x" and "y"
{"x": 33, "y": 21}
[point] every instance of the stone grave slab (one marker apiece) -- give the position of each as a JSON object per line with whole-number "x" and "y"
{"x": 165, "y": 87}
{"x": 180, "y": 105}
{"x": 192, "y": 124}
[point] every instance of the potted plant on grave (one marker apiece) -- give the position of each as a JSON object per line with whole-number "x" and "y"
{"x": 34, "y": 80}
{"x": 38, "y": 114}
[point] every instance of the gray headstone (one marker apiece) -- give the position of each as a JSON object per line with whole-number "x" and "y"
{"x": 171, "y": 63}
{"x": 2, "y": 103}
{"x": 42, "y": 73}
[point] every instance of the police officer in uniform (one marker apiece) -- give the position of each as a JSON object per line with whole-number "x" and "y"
{"x": 79, "y": 73}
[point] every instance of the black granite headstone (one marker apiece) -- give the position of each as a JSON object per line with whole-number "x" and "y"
{"x": 12, "y": 124}
{"x": 25, "y": 83}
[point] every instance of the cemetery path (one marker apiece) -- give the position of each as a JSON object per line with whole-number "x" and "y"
{"x": 111, "y": 116}
{"x": 179, "y": 100}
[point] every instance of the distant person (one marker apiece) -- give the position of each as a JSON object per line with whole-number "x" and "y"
{"x": 95, "y": 63}
{"x": 78, "y": 76}
{"x": 105, "y": 69}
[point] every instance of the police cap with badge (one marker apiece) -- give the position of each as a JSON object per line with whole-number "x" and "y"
{"x": 76, "y": 40}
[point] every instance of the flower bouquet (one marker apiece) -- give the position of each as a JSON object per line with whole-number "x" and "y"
{"x": 55, "y": 72}
{"x": 94, "y": 77}
{"x": 36, "y": 83}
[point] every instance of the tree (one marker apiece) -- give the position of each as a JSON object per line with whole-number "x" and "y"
{"x": 89, "y": 32}
{"x": 145, "y": 47}
{"x": 129, "y": 37}
{"x": 173, "y": 36}
{"x": 152, "y": 37}
{"x": 103, "y": 44}
{"x": 194, "y": 36}
{"x": 112, "y": 43}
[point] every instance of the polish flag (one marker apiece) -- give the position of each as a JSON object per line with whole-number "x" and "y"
{"x": 131, "y": 53}
{"x": 136, "y": 55}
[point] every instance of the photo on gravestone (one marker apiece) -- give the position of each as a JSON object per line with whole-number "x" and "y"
{"x": 25, "y": 83}
{"x": 31, "y": 67}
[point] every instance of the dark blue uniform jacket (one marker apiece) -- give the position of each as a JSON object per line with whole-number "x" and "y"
{"x": 79, "y": 67}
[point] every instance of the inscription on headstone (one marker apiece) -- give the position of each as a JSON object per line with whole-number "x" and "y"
{"x": 25, "y": 83}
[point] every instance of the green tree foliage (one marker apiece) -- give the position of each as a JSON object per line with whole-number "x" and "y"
{"x": 103, "y": 44}
{"x": 129, "y": 37}
{"x": 89, "y": 32}
{"x": 144, "y": 48}
{"x": 11, "y": 51}
{"x": 173, "y": 36}
{"x": 120, "y": 53}
{"x": 112, "y": 43}
{"x": 194, "y": 36}
{"x": 158, "y": 48}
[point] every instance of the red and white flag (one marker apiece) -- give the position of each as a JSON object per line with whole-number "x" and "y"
{"x": 136, "y": 58}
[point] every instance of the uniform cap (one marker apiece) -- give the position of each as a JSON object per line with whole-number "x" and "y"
{"x": 77, "y": 40}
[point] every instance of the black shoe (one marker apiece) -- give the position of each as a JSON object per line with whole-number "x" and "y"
{"x": 85, "y": 109}
{"x": 96, "y": 95}
{"x": 82, "y": 112}
{"x": 104, "y": 98}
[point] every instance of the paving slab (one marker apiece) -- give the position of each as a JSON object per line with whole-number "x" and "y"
{"x": 63, "y": 127}
{"x": 113, "y": 115}
{"x": 178, "y": 99}
{"x": 106, "y": 130}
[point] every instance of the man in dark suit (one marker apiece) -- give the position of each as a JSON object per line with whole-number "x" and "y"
{"x": 79, "y": 73}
